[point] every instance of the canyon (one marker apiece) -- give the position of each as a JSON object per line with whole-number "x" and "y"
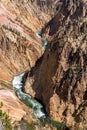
{"x": 57, "y": 76}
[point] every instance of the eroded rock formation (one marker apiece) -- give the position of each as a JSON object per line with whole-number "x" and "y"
{"x": 60, "y": 77}
{"x": 20, "y": 48}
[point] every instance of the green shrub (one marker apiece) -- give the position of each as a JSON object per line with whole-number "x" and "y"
{"x": 6, "y": 120}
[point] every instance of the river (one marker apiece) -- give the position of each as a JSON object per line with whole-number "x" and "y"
{"x": 38, "y": 109}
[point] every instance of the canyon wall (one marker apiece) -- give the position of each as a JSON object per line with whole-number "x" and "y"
{"x": 20, "y": 48}
{"x": 59, "y": 78}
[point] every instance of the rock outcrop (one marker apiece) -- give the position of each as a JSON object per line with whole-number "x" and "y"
{"x": 19, "y": 46}
{"x": 11, "y": 105}
{"x": 59, "y": 79}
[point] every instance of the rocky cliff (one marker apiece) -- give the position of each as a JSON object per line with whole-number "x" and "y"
{"x": 59, "y": 78}
{"x": 20, "y": 48}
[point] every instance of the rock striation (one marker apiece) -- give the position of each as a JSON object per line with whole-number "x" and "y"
{"x": 11, "y": 105}
{"x": 20, "y": 47}
{"x": 59, "y": 78}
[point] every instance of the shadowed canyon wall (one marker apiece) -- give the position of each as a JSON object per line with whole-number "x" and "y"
{"x": 60, "y": 77}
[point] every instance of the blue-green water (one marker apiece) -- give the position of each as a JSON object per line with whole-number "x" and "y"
{"x": 37, "y": 107}
{"x": 44, "y": 41}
